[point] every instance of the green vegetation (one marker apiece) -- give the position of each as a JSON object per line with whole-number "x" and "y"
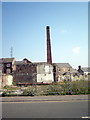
{"x": 14, "y": 83}
{"x": 64, "y": 88}
{"x": 28, "y": 92}
{"x": 8, "y": 94}
{"x": 61, "y": 88}
{"x": 11, "y": 88}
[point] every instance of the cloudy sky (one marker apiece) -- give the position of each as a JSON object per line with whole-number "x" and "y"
{"x": 24, "y": 28}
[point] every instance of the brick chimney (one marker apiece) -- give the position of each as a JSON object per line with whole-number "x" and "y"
{"x": 80, "y": 70}
{"x": 49, "y": 56}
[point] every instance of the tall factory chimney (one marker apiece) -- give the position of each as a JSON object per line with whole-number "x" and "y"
{"x": 49, "y": 56}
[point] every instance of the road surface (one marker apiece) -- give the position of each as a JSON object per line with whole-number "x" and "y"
{"x": 45, "y": 108}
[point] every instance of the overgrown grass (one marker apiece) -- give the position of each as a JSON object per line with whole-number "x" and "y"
{"x": 11, "y": 88}
{"x": 62, "y": 88}
{"x": 65, "y": 88}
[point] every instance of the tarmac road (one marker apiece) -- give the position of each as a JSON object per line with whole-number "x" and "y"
{"x": 45, "y": 108}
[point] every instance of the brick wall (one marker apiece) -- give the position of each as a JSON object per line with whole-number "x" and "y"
{"x": 25, "y": 73}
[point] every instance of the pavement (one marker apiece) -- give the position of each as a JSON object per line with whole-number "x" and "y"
{"x": 44, "y": 98}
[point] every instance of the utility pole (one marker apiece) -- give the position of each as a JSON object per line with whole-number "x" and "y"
{"x": 11, "y": 52}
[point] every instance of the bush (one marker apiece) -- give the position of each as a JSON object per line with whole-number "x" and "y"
{"x": 7, "y": 86}
{"x": 4, "y": 94}
{"x": 14, "y": 83}
{"x": 53, "y": 90}
{"x": 64, "y": 88}
{"x": 8, "y": 94}
{"x": 28, "y": 92}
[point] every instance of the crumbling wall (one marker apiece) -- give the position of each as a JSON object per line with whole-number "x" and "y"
{"x": 7, "y": 80}
{"x": 45, "y": 73}
{"x": 25, "y": 74}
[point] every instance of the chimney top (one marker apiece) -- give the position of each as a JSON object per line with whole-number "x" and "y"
{"x": 79, "y": 67}
{"x": 47, "y": 27}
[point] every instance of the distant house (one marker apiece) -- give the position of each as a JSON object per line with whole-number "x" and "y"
{"x": 74, "y": 71}
{"x": 83, "y": 70}
{"x": 61, "y": 71}
{"x": 80, "y": 71}
{"x": 86, "y": 70}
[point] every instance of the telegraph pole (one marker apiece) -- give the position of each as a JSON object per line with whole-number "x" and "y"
{"x": 11, "y": 52}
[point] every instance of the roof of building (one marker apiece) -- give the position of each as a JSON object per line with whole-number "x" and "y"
{"x": 41, "y": 63}
{"x": 19, "y": 62}
{"x": 85, "y": 69}
{"x": 63, "y": 65}
{"x": 5, "y": 60}
{"x": 23, "y": 63}
{"x": 26, "y": 60}
{"x": 72, "y": 70}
